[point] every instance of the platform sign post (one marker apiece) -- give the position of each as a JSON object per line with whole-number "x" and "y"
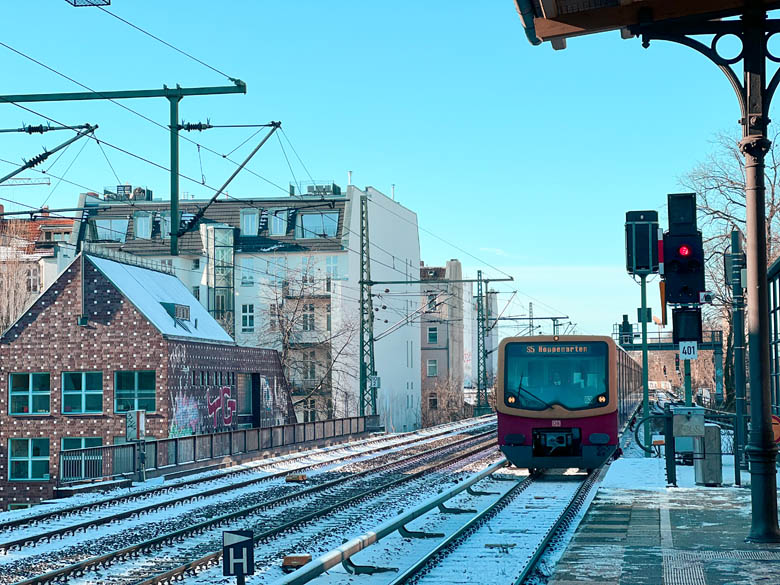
{"x": 238, "y": 554}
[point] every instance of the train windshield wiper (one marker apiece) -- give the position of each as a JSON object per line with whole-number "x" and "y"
{"x": 534, "y": 396}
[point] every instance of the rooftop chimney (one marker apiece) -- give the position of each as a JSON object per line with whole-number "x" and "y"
{"x": 349, "y": 178}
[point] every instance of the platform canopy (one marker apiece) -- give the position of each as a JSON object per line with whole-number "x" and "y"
{"x": 556, "y": 20}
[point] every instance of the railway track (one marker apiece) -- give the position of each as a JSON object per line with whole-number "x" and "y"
{"x": 500, "y": 542}
{"x": 191, "y": 541}
{"x": 19, "y": 533}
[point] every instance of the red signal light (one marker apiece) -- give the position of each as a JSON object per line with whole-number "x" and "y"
{"x": 684, "y": 251}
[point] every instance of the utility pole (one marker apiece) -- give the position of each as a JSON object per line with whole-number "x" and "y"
{"x": 367, "y": 367}
{"x": 174, "y": 96}
{"x": 531, "y": 317}
{"x": 482, "y": 406}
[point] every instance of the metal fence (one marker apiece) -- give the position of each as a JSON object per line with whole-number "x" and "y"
{"x": 112, "y": 461}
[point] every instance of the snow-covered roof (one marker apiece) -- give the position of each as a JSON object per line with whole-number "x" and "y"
{"x": 150, "y": 291}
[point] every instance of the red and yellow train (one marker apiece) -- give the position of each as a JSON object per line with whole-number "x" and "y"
{"x": 563, "y": 400}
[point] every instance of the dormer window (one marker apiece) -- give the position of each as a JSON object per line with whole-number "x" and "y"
{"x": 182, "y": 312}
{"x": 249, "y": 221}
{"x": 142, "y": 225}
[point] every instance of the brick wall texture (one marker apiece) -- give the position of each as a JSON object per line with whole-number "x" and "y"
{"x": 199, "y": 387}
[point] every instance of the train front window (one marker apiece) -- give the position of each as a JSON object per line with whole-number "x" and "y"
{"x": 573, "y": 375}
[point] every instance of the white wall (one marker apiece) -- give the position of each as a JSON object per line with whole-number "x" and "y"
{"x": 395, "y": 255}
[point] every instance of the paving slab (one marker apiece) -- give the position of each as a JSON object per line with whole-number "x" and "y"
{"x": 650, "y": 534}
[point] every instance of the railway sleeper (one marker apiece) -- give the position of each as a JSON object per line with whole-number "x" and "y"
{"x": 444, "y": 509}
{"x": 354, "y": 569}
{"x": 406, "y": 533}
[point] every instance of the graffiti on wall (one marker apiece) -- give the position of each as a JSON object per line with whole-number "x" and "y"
{"x": 185, "y": 419}
{"x": 221, "y": 403}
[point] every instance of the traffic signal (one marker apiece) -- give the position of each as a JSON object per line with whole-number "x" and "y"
{"x": 687, "y": 325}
{"x": 683, "y": 268}
{"x": 677, "y": 362}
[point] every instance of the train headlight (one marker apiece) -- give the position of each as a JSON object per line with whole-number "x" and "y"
{"x": 511, "y": 400}
{"x": 602, "y": 399}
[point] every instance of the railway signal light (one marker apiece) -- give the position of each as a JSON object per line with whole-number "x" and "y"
{"x": 683, "y": 252}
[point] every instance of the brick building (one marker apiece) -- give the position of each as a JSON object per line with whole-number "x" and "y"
{"x": 107, "y": 337}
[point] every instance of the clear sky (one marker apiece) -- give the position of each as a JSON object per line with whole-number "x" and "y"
{"x": 525, "y": 157}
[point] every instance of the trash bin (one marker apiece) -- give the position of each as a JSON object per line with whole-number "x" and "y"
{"x": 707, "y": 462}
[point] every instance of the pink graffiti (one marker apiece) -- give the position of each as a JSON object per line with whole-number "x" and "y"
{"x": 222, "y": 402}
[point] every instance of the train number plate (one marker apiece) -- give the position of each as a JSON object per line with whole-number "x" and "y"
{"x": 556, "y": 423}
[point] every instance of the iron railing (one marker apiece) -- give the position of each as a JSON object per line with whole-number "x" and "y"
{"x": 112, "y": 461}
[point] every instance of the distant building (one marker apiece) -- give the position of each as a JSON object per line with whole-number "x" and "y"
{"x": 442, "y": 329}
{"x": 284, "y": 273}
{"x": 107, "y": 337}
{"x": 28, "y": 258}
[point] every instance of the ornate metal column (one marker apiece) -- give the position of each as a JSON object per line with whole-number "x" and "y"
{"x": 754, "y": 31}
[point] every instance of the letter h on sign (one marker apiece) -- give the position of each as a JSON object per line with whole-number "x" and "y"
{"x": 238, "y": 554}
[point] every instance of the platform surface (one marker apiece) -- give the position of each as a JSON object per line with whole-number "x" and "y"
{"x": 639, "y": 532}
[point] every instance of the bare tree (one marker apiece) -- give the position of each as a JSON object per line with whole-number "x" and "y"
{"x": 317, "y": 354}
{"x": 19, "y": 272}
{"x": 442, "y": 403}
{"x": 719, "y": 182}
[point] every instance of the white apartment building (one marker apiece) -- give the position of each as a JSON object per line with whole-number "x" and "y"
{"x": 284, "y": 273}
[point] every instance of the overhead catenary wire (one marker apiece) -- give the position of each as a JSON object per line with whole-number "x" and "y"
{"x": 75, "y": 158}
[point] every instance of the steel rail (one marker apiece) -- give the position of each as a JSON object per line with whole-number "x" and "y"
{"x": 105, "y": 559}
{"x": 213, "y": 558}
{"x": 567, "y": 515}
{"x": 330, "y": 559}
{"x": 102, "y": 504}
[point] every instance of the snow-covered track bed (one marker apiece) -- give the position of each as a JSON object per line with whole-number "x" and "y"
{"x": 499, "y": 541}
{"x": 59, "y": 523}
{"x": 137, "y": 552}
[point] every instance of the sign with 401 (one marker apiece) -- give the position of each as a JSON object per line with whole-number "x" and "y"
{"x": 688, "y": 350}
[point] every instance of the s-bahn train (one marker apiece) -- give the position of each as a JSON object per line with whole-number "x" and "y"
{"x": 562, "y": 400}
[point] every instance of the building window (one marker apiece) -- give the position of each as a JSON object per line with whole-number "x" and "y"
{"x": 110, "y": 230}
{"x": 30, "y": 393}
{"x": 433, "y": 368}
{"x": 317, "y": 225}
{"x": 273, "y": 317}
{"x": 196, "y": 291}
{"x": 433, "y": 401}
{"x": 433, "y": 335}
{"x": 431, "y": 302}
{"x": 82, "y": 392}
{"x": 167, "y": 264}
{"x": 249, "y": 222}
{"x": 247, "y": 272}
{"x": 309, "y": 365}
{"x": 29, "y": 459}
{"x": 310, "y": 410}
{"x": 165, "y": 225}
{"x": 142, "y": 225}
{"x": 332, "y": 267}
{"x": 329, "y": 323}
{"x": 277, "y": 222}
{"x": 277, "y": 269}
{"x": 247, "y": 318}
{"x": 196, "y": 264}
{"x": 33, "y": 279}
{"x": 134, "y": 390}
{"x": 308, "y": 317}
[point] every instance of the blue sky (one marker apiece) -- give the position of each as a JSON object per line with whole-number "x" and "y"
{"x": 527, "y": 158}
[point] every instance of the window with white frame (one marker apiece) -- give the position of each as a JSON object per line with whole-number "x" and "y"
{"x": 29, "y": 459}
{"x": 433, "y": 335}
{"x": 274, "y": 314}
{"x": 247, "y": 271}
{"x": 196, "y": 291}
{"x": 29, "y": 393}
{"x": 249, "y": 221}
{"x": 142, "y": 225}
{"x": 277, "y": 222}
{"x": 431, "y": 302}
{"x": 433, "y": 401}
{"x": 308, "y": 317}
{"x": 33, "y": 279}
{"x": 82, "y": 392}
{"x": 277, "y": 269}
{"x": 134, "y": 390}
{"x": 247, "y": 318}
{"x": 433, "y": 368}
{"x": 165, "y": 225}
